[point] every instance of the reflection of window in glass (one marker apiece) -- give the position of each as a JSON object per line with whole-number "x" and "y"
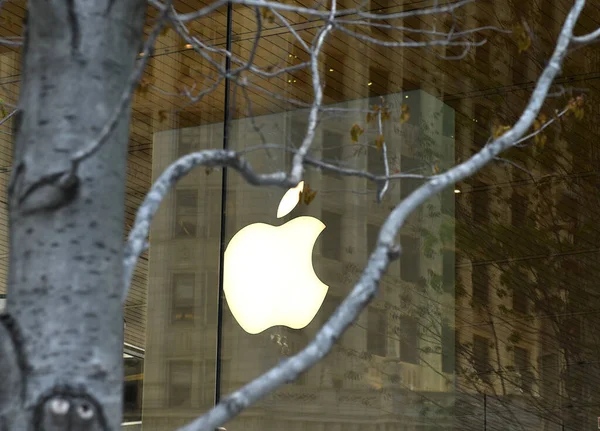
{"x": 210, "y": 293}
{"x": 549, "y": 375}
{"x": 409, "y": 340}
{"x": 331, "y": 242}
{"x": 448, "y": 349}
{"x": 409, "y": 165}
{"x": 212, "y": 210}
{"x": 448, "y": 269}
{"x": 520, "y": 302}
{"x": 182, "y": 303}
{"x": 208, "y": 368}
{"x": 567, "y": 207}
{"x": 374, "y": 162}
{"x": 332, "y": 144}
{"x": 480, "y": 203}
{"x": 180, "y": 383}
{"x": 572, "y": 329}
{"x": 376, "y": 332}
{"x": 447, "y": 201}
{"x": 132, "y": 389}
{"x": 518, "y": 209}
{"x": 410, "y": 258}
{"x": 186, "y": 213}
{"x": 186, "y": 143}
{"x": 480, "y": 280}
{"x": 372, "y": 234}
{"x": 523, "y": 367}
{"x": 481, "y": 357}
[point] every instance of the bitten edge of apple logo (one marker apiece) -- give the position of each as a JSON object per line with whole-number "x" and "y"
{"x": 269, "y": 278}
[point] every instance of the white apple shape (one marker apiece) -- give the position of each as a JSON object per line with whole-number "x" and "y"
{"x": 269, "y": 278}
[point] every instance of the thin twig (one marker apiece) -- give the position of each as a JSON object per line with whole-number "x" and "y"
{"x": 588, "y": 38}
{"x": 5, "y": 119}
{"x": 313, "y": 117}
{"x": 386, "y": 164}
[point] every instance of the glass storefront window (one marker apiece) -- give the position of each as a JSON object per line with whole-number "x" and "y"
{"x": 490, "y": 310}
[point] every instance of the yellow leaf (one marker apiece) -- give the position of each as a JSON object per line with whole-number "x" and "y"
{"x": 385, "y": 112}
{"x": 499, "y": 130}
{"x": 540, "y": 140}
{"x": 576, "y": 106}
{"x": 268, "y": 15}
{"x": 522, "y": 38}
{"x": 162, "y": 115}
{"x": 355, "y": 132}
{"x": 405, "y": 113}
{"x": 307, "y": 195}
{"x": 379, "y": 142}
{"x": 144, "y": 85}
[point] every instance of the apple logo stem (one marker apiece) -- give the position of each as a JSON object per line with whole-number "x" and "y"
{"x": 269, "y": 278}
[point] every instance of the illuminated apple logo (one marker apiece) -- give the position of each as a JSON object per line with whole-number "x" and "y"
{"x": 269, "y": 278}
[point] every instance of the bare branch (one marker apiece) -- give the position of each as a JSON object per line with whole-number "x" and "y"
{"x": 386, "y": 164}
{"x": 313, "y": 117}
{"x": 412, "y": 44}
{"x": 316, "y": 12}
{"x": 290, "y": 27}
{"x": 587, "y": 38}
{"x": 8, "y": 117}
{"x": 516, "y": 165}
{"x": 336, "y": 168}
{"x": 541, "y": 129}
{"x": 192, "y": 15}
{"x": 11, "y": 41}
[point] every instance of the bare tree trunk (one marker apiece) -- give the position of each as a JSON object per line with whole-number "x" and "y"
{"x": 67, "y": 219}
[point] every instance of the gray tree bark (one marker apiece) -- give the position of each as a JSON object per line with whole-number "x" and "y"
{"x": 63, "y": 334}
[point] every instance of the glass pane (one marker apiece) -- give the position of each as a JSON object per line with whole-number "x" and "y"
{"x": 180, "y": 275}
{"x": 389, "y": 352}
